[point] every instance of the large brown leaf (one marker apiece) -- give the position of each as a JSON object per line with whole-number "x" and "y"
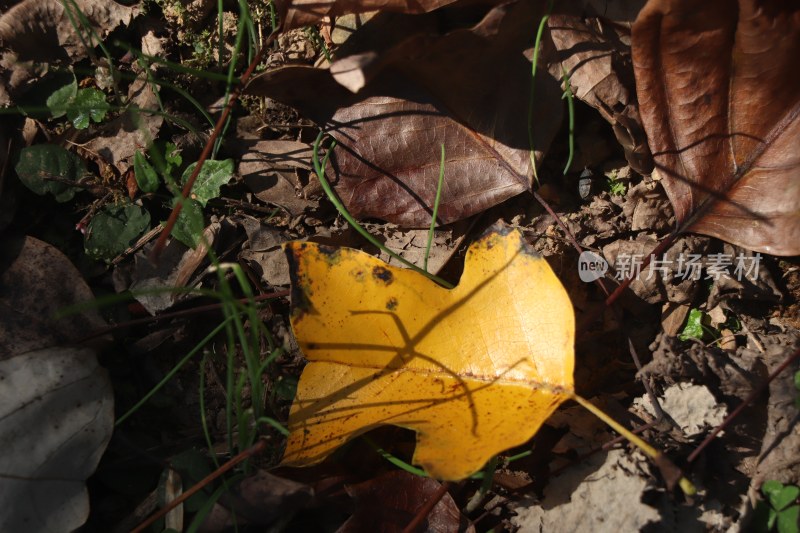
{"x": 719, "y": 93}
{"x": 467, "y": 89}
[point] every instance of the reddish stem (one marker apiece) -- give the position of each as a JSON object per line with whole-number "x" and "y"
{"x": 258, "y": 447}
{"x": 426, "y": 509}
{"x": 155, "y": 253}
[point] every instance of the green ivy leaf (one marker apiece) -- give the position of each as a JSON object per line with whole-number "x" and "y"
{"x": 62, "y": 98}
{"x": 190, "y": 224}
{"x": 694, "y": 326}
{"x": 213, "y": 175}
{"x": 114, "y": 229}
{"x": 47, "y": 168}
{"x": 88, "y": 104}
{"x": 146, "y": 176}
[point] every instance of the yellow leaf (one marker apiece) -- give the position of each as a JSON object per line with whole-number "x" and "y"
{"x": 473, "y": 370}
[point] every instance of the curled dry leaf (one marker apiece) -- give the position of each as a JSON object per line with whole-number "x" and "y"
{"x": 719, "y": 94}
{"x": 468, "y": 89}
{"x": 597, "y": 60}
{"x": 474, "y": 370}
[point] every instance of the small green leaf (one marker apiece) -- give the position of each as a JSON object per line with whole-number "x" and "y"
{"x": 189, "y": 226}
{"x": 146, "y": 175}
{"x": 114, "y": 229}
{"x": 784, "y": 497}
{"x": 47, "y": 168}
{"x": 771, "y": 487}
{"x": 173, "y": 156}
{"x": 694, "y": 326}
{"x": 88, "y": 104}
{"x": 62, "y": 98}
{"x": 788, "y": 520}
{"x": 213, "y": 175}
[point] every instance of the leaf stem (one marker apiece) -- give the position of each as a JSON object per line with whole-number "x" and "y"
{"x": 659, "y": 458}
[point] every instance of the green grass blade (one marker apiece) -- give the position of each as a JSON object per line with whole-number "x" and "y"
{"x": 435, "y": 211}
{"x": 173, "y": 371}
{"x": 531, "y": 100}
{"x": 571, "y": 109}
{"x": 319, "y": 168}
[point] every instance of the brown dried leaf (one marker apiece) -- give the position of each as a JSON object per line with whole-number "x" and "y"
{"x": 297, "y": 13}
{"x": 117, "y": 140}
{"x": 391, "y": 501}
{"x": 597, "y": 61}
{"x": 36, "y": 282}
{"x": 468, "y": 90}
{"x": 269, "y": 169}
{"x": 42, "y": 30}
{"x": 36, "y": 32}
{"x": 719, "y": 94}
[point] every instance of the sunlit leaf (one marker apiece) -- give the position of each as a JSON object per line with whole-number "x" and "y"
{"x": 719, "y": 96}
{"x": 473, "y": 370}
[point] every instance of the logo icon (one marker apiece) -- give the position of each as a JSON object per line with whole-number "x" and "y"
{"x": 591, "y": 266}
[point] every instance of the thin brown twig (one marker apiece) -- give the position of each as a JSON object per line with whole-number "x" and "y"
{"x": 257, "y": 448}
{"x": 747, "y": 401}
{"x": 155, "y": 253}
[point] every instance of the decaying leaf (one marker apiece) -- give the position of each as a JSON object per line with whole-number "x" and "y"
{"x": 597, "y": 61}
{"x": 474, "y": 370}
{"x": 719, "y": 95}
{"x": 269, "y": 169}
{"x": 37, "y": 281}
{"x": 56, "y": 419}
{"x": 297, "y": 13}
{"x": 36, "y": 32}
{"x": 467, "y": 89}
{"x": 56, "y": 402}
{"x": 391, "y": 501}
{"x": 118, "y": 140}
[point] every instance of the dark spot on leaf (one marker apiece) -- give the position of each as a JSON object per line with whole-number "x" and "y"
{"x": 331, "y": 253}
{"x": 383, "y": 274}
{"x": 299, "y": 293}
{"x": 391, "y": 304}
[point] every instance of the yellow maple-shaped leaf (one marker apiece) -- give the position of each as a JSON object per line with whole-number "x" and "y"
{"x": 473, "y": 370}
